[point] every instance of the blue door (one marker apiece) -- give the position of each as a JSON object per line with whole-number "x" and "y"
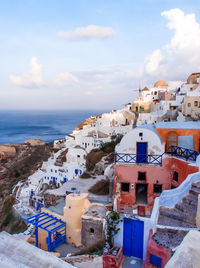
{"x": 141, "y": 152}
{"x": 133, "y": 238}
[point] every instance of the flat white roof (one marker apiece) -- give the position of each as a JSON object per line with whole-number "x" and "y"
{"x": 177, "y": 125}
{"x": 17, "y": 253}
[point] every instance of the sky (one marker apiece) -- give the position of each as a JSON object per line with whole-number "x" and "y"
{"x": 87, "y": 54}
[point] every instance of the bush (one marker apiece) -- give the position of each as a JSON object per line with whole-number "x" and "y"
{"x": 96, "y": 155}
{"x": 85, "y": 175}
{"x": 93, "y": 158}
{"x": 96, "y": 249}
{"x": 100, "y": 188}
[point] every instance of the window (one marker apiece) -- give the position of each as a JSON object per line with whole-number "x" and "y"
{"x": 125, "y": 187}
{"x": 140, "y": 134}
{"x": 172, "y": 186}
{"x": 55, "y": 171}
{"x": 175, "y": 176}
{"x": 91, "y": 230}
{"x": 189, "y": 104}
{"x": 157, "y": 188}
{"x": 155, "y": 93}
{"x": 142, "y": 109}
{"x": 142, "y": 176}
{"x": 78, "y": 156}
{"x": 196, "y": 103}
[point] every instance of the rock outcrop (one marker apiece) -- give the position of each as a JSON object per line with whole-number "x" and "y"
{"x": 35, "y": 142}
{"x": 7, "y": 151}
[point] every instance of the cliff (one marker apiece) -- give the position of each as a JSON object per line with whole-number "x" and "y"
{"x": 19, "y": 161}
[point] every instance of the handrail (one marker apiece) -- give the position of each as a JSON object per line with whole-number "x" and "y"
{"x": 155, "y": 159}
{"x": 138, "y": 158}
{"x": 183, "y": 152}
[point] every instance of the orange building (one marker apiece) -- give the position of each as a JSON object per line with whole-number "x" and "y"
{"x": 145, "y": 167}
{"x": 194, "y": 78}
{"x": 182, "y": 134}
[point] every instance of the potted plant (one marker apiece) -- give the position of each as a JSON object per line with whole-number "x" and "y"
{"x": 112, "y": 255}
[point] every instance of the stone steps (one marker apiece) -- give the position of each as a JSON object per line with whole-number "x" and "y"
{"x": 183, "y": 215}
{"x": 185, "y": 207}
{"x": 190, "y": 199}
{"x": 169, "y": 238}
{"x": 194, "y": 191}
{"x": 196, "y": 184}
{"x": 179, "y": 215}
{"x": 166, "y": 221}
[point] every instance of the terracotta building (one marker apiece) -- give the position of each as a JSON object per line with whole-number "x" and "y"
{"x": 194, "y": 78}
{"x": 152, "y": 159}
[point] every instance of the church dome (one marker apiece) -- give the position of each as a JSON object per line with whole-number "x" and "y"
{"x": 161, "y": 83}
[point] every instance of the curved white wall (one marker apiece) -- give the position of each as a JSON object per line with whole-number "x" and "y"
{"x": 129, "y": 141}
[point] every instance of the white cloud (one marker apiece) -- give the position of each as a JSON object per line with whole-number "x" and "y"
{"x": 64, "y": 79}
{"x": 30, "y": 78}
{"x": 181, "y": 56}
{"x": 154, "y": 61}
{"x": 88, "y": 32}
{"x": 89, "y": 93}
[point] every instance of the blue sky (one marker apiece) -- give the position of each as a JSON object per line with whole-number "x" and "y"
{"x": 92, "y": 54}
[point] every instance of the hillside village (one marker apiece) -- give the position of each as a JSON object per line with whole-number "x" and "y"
{"x": 137, "y": 167}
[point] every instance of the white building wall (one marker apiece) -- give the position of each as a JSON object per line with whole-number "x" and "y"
{"x": 129, "y": 141}
{"x": 76, "y": 155}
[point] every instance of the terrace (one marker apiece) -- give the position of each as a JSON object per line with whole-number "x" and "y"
{"x": 156, "y": 160}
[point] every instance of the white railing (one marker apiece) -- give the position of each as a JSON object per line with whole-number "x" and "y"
{"x": 169, "y": 198}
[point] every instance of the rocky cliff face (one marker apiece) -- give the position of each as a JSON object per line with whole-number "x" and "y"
{"x": 19, "y": 161}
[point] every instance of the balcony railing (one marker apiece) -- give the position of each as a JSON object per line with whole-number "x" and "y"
{"x": 156, "y": 160}
{"x": 187, "y": 154}
{"x": 148, "y": 159}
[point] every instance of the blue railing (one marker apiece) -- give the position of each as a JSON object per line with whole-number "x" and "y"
{"x": 139, "y": 159}
{"x": 187, "y": 154}
{"x": 150, "y": 159}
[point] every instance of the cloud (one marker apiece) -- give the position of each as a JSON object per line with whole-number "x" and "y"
{"x": 181, "y": 56}
{"x": 89, "y": 93}
{"x": 31, "y": 78}
{"x": 64, "y": 79}
{"x": 88, "y": 32}
{"x": 154, "y": 61}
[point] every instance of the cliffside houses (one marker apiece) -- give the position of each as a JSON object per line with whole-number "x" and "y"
{"x": 93, "y": 132}
{"x": 176, "y": 101}
{"x": 156, "y": 174}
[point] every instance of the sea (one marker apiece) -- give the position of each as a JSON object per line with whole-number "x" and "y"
{"x": 18, "y": 126}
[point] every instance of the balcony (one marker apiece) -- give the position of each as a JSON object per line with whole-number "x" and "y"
{"x": 147, "y": 159}
{"x": 187, "y": 154}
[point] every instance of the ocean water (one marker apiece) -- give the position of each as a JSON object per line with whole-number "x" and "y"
{"x": 18, "y": 126}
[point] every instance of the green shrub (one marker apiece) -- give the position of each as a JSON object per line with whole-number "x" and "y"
{"x": 100, "y": 188}
{"x": 96, "y": 249}
{"x": 85, "y": 175}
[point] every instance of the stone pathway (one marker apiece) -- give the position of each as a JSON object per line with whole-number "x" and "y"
{"x": 131, "y": 262}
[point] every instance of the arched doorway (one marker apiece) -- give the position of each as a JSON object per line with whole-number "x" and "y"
{"x": 172, "y": 139}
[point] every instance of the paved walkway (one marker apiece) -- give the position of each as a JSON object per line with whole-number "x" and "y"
{"x": 131, "y": 262}
{"x": 65, "y": 249}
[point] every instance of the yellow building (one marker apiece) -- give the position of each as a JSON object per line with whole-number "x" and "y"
{"x": 141, "y": 106}
{"x": 60, "y": 224}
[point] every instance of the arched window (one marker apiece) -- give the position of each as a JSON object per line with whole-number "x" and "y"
{"x": 172, "y": 139}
